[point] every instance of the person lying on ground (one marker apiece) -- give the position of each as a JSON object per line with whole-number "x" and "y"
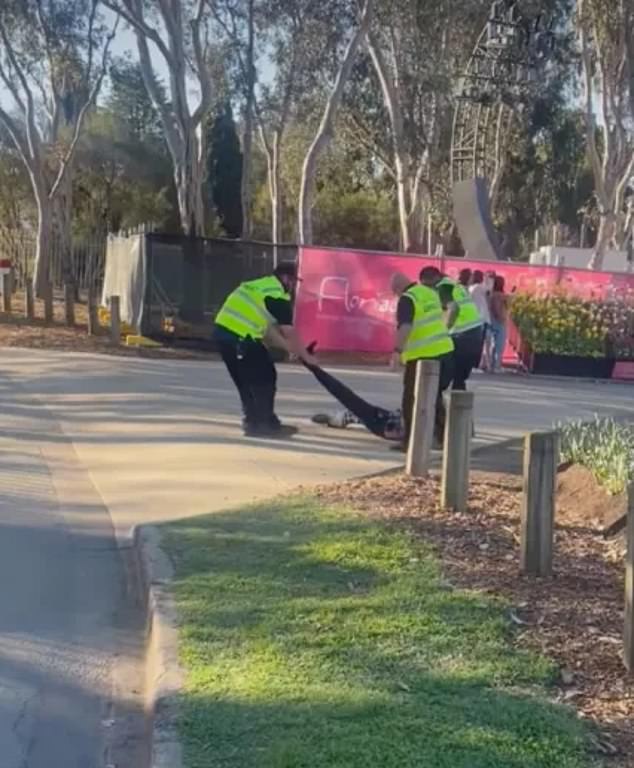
{"x": 380, "y": 421}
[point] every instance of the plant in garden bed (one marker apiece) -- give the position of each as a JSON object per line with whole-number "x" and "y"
{"x": 603, "y": 446}
{"x": 566, "y": 325}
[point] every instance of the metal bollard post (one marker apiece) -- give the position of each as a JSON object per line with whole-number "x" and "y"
{"x": 115, "y": 320}
{"x": 457, "y": 452}
{"x": 423, "y": 416}
{"x": 541, "y": 455}
{"x": 628, "y": 635}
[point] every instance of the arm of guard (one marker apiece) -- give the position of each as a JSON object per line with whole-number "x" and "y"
{"x": 453, "y": 310}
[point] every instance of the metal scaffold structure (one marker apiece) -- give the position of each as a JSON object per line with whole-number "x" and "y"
{"x": 500, "y": 79}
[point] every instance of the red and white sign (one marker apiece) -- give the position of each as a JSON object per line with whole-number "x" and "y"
{"x": 344, "y": 301}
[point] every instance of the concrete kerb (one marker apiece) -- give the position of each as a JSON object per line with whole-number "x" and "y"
{"x": 164, "y": 676}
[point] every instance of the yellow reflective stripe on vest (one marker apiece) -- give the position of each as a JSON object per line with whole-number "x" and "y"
{"x": 261, "y": 310}
{"x": 428, "y": 337}
{"x": 427, "y": 342}
{"x": 241, "y": 319}
{"x": 468, "y": 313}
{"x": 244, "y": 311}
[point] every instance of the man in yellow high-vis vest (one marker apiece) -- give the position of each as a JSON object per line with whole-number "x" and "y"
{"x": 421, "y": 335}
{"x": 255, "y": 310}
{"x": 466, "y": 326}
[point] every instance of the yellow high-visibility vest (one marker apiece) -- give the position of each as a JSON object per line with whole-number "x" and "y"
{"x": 244, "y": 311}
{"x": 469, "y": 316}
{"x": 429, "y": 337}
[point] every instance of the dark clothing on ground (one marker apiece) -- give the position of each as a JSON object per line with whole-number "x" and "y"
{"x": 253, "y": 372}
{"x": 377, "y": 420}
{"x": 468, "y": 354}
{"x": 409, "y": 391}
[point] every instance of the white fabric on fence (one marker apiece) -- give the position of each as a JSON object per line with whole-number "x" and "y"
{"x": 125, "y": 276}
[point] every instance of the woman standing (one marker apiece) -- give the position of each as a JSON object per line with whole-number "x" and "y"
{"x": 499, "y": 310}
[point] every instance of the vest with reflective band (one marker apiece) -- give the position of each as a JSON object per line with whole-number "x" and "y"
{"x": 469, "y": 316}
{"x": 429, "y": 336}
{"x": 244, "y": 311}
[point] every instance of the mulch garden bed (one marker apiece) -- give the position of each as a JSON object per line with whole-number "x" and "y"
{"x": 576, "y": 618}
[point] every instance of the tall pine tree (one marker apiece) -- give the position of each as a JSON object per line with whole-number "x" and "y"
{"x": 224, "y": 170}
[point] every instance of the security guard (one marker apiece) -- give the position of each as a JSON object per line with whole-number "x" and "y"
{"x": 421, "y": 335}
{"x": 255, "y": 310}
{"x": 465, "y": 324}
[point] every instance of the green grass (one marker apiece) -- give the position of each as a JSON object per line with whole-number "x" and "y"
{"x": 315, "y": 638}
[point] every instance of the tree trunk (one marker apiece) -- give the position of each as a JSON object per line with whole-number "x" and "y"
{"x": 41, "y": 268}
{"x": 403, "y": 200}
{"x": 276, "y": 201}
{"x": 607, "y": 226}
{"x": 326, "y": 128}
{"x": 62, "y": 228}
{"x": 245, "y": 180}
{"x": 247, "y": 138}
{"x": 188, "y": 177}
{"x": 390, "y": 88}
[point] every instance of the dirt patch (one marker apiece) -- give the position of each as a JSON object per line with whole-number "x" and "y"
{"x": 17, "y": 331}
{"x": 580, "y": 500}
{"x": 575, "y": 618}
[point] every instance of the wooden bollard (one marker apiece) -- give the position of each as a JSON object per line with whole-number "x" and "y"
{"x": 48, "y": 303}
{"x": 115, "y": 320}
{"x": 457, "y": 453}
{"x": 29, "y": 303}
{"x": 423, "y": 416}
{"x": 628, "y": 635}
{"x": 69, "y": 304}
{"x": 7, "y": 288}
{"x": 93, "y": 316}
{"x": 541, "y": 456}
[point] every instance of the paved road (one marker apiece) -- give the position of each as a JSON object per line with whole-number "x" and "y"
{"x": 69, "y": 625}
{"x": 161, "y": 438}
{"x": 92, "y": 445}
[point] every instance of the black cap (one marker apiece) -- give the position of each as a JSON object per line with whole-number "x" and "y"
{"x": 287, "y": 269}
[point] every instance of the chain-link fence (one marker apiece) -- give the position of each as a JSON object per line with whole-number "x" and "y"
{"x": 184, "y": 279}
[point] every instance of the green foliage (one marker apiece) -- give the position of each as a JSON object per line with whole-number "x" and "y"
{"x": 362, "y": 219}
{"x": 603, "y": 446}
{"x": 316, "y": 638}
{"x": 121, "y": 181}
{"x": 129, "y": 101}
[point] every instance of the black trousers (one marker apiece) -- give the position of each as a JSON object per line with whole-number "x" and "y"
{"x": 253, "y": 372}
{"x": 468, "y": 354}
{"x": 409, "y": 391}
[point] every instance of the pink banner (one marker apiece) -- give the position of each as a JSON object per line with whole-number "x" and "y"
{"x": 345, "y": 304}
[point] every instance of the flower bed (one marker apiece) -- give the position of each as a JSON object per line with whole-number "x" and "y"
{"x": 603, "y": 446}
{"x": 566, "y": 335}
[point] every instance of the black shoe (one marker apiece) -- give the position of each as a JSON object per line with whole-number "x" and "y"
{"x": 283, "y": 430}
{"x": 276, "y": 431}
{"x": 321, "y": 418}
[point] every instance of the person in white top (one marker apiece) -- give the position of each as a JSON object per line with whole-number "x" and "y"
{"x": 480, "y": 295}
